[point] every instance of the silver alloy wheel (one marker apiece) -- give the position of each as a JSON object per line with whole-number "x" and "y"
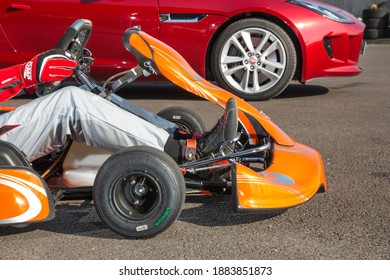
{"x": 253, "y": 60}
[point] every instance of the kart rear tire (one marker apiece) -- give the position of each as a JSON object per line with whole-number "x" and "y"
{"x": 186, "y": 119}
{"x": 139, "y": 192}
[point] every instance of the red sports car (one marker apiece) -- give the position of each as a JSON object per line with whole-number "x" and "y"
{"x": 253, "y": 48}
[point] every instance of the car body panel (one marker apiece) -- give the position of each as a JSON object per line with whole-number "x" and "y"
{"x": 33, "y": 26}
{"x": 48, "y": 17}
{"x": 310, "y": 31}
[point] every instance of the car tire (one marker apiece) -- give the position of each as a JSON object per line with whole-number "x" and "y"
{"x": 375, "y": 13}
{"x": 375, "y": 33}
{"x": 254, "y": 59}
{"x": 376, "y": 23}
{"x": 187, "y": 120}
{"x": 139, "y": 192}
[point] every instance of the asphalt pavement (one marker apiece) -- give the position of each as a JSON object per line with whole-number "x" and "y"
{"x": 346, "y": 119}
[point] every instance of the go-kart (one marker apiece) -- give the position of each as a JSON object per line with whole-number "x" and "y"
{"x": 139, "y": 191}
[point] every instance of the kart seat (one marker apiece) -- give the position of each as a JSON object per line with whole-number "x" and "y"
{"x": 11, "y": 155}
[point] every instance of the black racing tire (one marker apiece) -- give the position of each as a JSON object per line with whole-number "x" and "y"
{"x": 139, "y": 192}
{"x": 247, "y": 71}
{"x": 376, "y": 23}
{"x": 187, "y": 120}
{"x": 375, "y": 13}
{"x": 375, "y": 33}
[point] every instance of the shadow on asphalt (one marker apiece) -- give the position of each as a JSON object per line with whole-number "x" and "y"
{"x": 216, "y": 210}
{"x": 297, "y": 90}
{"x": 81, "y": 219}
{"x": 168, "y": 91}
{"x": 71, "y": 218}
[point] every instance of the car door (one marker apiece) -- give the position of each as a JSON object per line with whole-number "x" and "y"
{"x": 33, "y": 26}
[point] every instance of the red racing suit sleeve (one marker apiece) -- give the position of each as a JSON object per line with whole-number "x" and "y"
{"x": 11, "y": 82}
{"x": 48, "y": 67}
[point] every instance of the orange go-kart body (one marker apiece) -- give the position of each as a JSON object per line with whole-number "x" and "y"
{"x": 293, "y": 173}
{"x": 296, "y": 172}
{"x": 24, "y": 195}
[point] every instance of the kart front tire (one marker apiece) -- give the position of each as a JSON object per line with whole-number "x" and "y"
{"x": 139, "y": 192}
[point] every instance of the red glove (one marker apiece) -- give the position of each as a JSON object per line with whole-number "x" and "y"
{"x": 51, "y": 66}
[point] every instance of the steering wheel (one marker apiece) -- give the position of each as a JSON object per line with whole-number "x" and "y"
{"x": 73, "y": 41}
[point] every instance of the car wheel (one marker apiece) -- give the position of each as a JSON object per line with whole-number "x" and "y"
{"x": 254, "y": 58}
{"x": 139, "y": 192}
{"x": 187, "y": 120}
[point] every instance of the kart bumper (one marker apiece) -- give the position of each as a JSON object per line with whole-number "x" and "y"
{"x": 295, "y": 175}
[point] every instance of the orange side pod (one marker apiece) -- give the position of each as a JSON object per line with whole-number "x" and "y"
{"x": 24, "y": 196}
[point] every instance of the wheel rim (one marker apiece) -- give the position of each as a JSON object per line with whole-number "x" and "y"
{"x": 184, "y": 128}
{"x": 136, "y": 195}
{"x": 253, "y": 60}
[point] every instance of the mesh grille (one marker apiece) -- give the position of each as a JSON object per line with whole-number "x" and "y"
{"x": 328, "y": 47}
